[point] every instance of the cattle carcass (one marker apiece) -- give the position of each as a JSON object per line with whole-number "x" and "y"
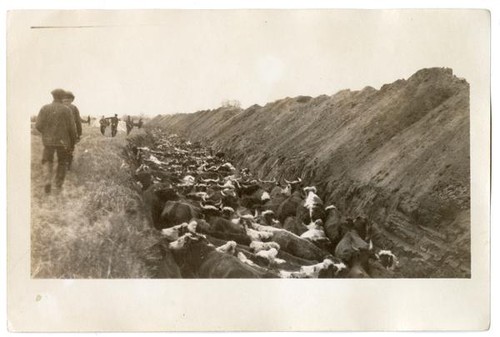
{"x": 269, "y": 257}
{"x": 332, "y": 225}
{"x": 252, "y": 195}
{"x": 277, "y": 195}
{"x": 257, "y": 246}
{"x": 223, "y": 228}
{"x": 295, "y": 185}
{"x": 267, "y": 218}
{"x": 314, "y": 231}
{"x": 173, "y": 233}
{"x": 229, "y": 199}
{"x": 297, "y": 246}
{"x": 176, "y": 212}
{"x": 166, "y": 267}
{"x": 363, "y": 227}
{"x": 261, "y": 222}
{"x": 311, "y": 209}
{"x": 350, "y": 244}
{"x": 221, "y": 224}
{"x": 289, "y": 206}
{"x": 155, "y": 198}
{"x": 198, "y": 259}
{"x": 228, "y": 248}
{"x": 356, "y": 252}
{"x": 326, "y": 269}
{"x": 387, "y": 259}
{"x": 294, "y": 225}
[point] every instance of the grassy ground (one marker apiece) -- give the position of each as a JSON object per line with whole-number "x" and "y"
{"x": 97, "y": 227}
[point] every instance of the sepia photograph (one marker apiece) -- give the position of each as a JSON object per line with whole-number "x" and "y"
{"x": 251, "y": 144}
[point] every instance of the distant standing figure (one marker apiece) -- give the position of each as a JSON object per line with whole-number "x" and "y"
{"x": 114, "y": 125}
{"x": 56, "y": 124}
{"x": 130, "y": 125}
{"x": 104, "y": 124}
{"x": 68, "y": 101}
{"x": 88, "y": 120}
{"x": 139, "y": 124}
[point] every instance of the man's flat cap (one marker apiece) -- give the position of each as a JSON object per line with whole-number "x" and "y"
{"x": 58, "y": 93}
{"x": 69, "y": 94}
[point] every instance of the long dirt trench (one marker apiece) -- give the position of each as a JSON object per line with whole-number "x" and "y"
{"x": 290, "y": 248}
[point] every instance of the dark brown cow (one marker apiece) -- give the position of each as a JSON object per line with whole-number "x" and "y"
{"x": 167, "y": 267}
{"x": 297, "y": 246}
{"x": 220, "y": 224}
{"x": 363, "y": 227}
{"x": 145, "y": 179}
{"x": 356, "y": 252}
{"x": 333, "y": 225}
{"x": 278, "y": 195}
{"x": 359, "y": 265}
{"x": 279, "y": 191}
{"x": 246, "y": 188}
{"x": 223, "y": 228}
{"x": 289, "y": 206}
{"x": 229, "y": 199}
{"x": 252, "y": 195}
{"x": 198, "y": 259}
{"x": 349, "y": 245}
{"x": 155, "y": 197}
{"x": 268, "y": 218}
{"x": 294, "y": 225}
{"x": 177, "y": 212}
{"x": 295, "y": 185}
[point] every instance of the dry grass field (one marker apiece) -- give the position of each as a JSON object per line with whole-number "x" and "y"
{"x": 97, "y": 227}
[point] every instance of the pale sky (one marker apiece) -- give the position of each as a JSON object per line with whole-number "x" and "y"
{"x": 160, "y": 62}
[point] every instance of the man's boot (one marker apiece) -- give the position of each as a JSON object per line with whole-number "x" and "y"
{"x": 47, "y": 169}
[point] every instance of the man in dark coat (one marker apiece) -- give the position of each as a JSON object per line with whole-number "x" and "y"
{"x": 56, "y": 124}
{"x": 68, "y": 101}
{"x": 114, "y": 125}
{"x": 130, "y": 125}
{"x": 104, "y": 124}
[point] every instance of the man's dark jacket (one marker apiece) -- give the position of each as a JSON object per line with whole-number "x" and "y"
{"x": 56, "y": 124}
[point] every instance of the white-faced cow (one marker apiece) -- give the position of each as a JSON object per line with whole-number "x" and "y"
{"x": 311, "y": 209}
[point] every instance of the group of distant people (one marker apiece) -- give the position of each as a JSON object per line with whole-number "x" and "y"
{"x": 61, "y": 127}
{"x": 113, "y": 122}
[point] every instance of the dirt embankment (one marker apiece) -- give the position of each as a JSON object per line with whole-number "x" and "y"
{"x": 399, "y": 155}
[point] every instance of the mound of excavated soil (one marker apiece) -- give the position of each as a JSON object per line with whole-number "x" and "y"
{"x": 399, "y": 155}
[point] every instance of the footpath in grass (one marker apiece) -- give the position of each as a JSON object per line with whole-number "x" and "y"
{"x": 97, "y": 227}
